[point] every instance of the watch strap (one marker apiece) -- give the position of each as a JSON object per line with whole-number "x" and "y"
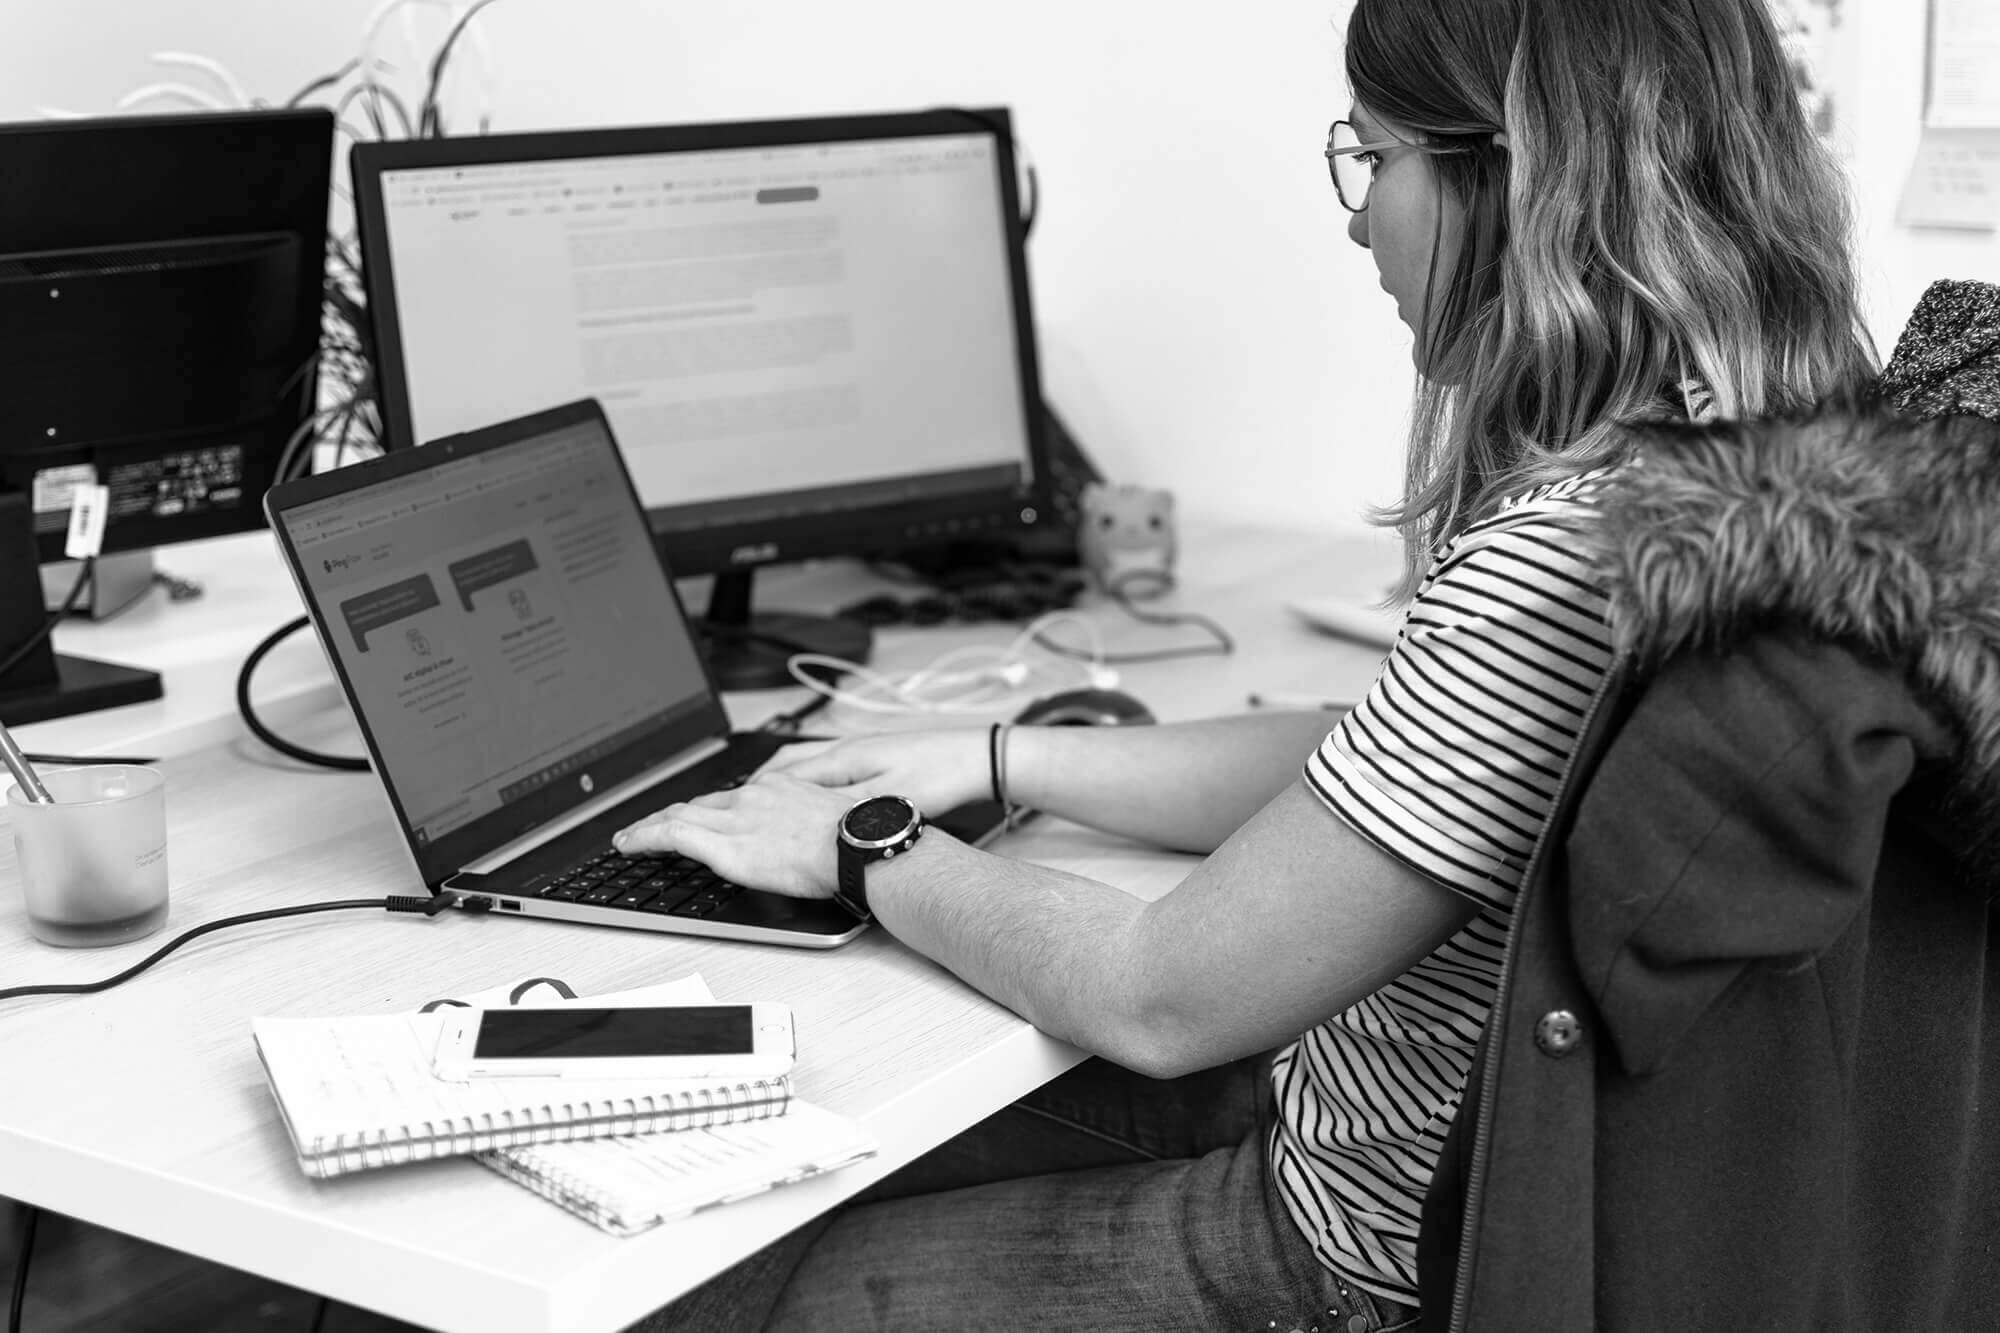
{"x": 851, "y": 883}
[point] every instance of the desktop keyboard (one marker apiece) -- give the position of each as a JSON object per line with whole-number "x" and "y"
{"x": 673, "y": 885}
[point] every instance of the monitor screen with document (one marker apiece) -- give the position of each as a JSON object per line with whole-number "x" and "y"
{"x": 812, "y": 337}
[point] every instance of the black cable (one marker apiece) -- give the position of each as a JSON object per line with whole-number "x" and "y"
{"x": 26, "y": 1251}
{"x": 85, "y": 760}
{"x": 430, "y": 116}
{"x": 427, "y": 906}
{"x": 787, "y": 722}
{"x": 1031, "y": 206}
{"x": 319, "y": 1314}
{"x": 83, "y": 580}
{"x": 1223, "y": 646}
{"x": 344, "y": 763}
{"x": 323, "y": 82}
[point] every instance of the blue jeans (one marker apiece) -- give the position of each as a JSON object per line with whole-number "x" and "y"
{"x": 1103, "y": 1201}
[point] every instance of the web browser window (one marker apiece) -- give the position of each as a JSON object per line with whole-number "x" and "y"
{"x": 755, "y": 321}
{"x": 499, "y": 619}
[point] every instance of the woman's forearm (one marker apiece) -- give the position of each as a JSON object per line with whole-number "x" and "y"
{"x": 1185, "y": 785}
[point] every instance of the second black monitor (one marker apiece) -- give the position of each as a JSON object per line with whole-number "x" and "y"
{"x": 811, "y": 337}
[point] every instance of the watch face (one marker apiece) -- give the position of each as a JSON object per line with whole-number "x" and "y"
{"x": 879, "y": 818}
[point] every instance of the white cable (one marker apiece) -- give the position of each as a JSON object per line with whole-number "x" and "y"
{"x": 210, "y": 66}
{"x": 889, "y": 695}
{"x": 975, "y": 688}
{"x": 200, "y": 97}
{"x": 1010, "y": 663}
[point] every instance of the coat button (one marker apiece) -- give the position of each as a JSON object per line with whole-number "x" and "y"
{"x": 1558, "y": 1033}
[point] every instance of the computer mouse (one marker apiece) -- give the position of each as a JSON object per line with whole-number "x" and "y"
{"x": 1089, "y": 706}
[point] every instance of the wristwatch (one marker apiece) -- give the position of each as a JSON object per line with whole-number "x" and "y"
{"x": 873, "y": 829}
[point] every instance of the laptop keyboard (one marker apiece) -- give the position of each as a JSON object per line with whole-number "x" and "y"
{"x": 674, "y": 885}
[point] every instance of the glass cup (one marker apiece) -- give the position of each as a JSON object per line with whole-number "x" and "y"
{"x": 93, "y": 863}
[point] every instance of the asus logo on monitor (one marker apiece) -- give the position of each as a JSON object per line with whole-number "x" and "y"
{"x": 755, "y": 553}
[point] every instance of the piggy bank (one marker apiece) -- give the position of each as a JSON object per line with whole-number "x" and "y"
{"x": 1125, "y": 539}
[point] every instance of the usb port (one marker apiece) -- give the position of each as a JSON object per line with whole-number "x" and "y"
{"x": 509, "y": 905}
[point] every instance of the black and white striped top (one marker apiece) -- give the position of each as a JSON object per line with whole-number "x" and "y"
{"x": 1450, "y": 765}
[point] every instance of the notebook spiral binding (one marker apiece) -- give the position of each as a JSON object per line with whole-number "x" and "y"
{"x": 697, "y": 1108}
{"x": 561, "y": 1188}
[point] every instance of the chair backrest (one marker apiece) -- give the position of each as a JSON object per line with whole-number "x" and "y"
{"x": 1777, "y": 1099}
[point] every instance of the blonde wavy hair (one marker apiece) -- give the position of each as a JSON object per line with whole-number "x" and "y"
{"x": 1661, "y": 215}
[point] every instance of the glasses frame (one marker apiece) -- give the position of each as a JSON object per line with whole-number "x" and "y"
{"x": 1379, "y": 146}
{"x": 1333, "y": 156}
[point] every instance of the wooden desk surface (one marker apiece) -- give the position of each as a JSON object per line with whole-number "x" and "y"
{"x": 144, "y": 1108}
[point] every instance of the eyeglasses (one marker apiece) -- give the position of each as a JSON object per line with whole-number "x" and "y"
{"x": 1352, "y": 163}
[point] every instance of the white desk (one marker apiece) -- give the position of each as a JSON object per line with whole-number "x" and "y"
{"x": 144, "y": 1109}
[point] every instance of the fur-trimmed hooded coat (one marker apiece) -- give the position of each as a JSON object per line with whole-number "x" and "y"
{"x": 1743, "y": 1069}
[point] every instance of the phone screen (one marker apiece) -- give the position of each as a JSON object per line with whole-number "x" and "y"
{"x": 566, "y": 1033}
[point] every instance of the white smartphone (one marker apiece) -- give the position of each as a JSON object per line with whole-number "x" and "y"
{"x": 656, "y": 1041}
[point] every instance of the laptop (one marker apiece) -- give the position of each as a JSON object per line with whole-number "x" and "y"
{"x": 526, "y": 680}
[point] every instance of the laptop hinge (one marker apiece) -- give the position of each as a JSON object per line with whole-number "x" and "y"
{"x": 594, "y": 807}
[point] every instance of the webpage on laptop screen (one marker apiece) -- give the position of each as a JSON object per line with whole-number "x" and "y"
{"x": 753, "y": 320}
{"x": 502, "y": 620}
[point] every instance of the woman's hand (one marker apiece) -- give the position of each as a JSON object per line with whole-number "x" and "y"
{"x": 774, "y": 832}
{"x": 935, "y": 770}
{"x": 777, "y": 831}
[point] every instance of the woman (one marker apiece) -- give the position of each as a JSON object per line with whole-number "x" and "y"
{"x": 1588, "y": 212}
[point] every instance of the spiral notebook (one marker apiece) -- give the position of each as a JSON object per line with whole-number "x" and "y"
{"x": 627, "y": 1185}
{"x": 357, "y": 1093}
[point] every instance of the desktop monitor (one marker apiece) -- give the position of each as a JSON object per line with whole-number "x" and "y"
{"x": 161, "y": 280}
{"x": 812, "y": 337}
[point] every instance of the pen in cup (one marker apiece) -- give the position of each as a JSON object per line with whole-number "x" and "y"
{"x": 1312, "y": 702}
{"x": 23, "y": 771}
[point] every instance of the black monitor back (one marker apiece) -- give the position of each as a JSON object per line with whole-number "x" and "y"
{"x": 161, "y": 281}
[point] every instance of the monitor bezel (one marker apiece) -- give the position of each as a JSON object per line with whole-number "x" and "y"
{"x": 439, "y": 859}
{"x": 881, "y": 527}
{"x": 308, "y": 133}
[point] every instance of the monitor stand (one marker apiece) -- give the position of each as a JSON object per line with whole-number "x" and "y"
{"x": 47, "y": 684}
{"x": 748, "y": 650}
{"x": 116, "y": 581}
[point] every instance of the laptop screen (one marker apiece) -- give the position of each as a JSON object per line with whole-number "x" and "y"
{"x": 502, "y": 622}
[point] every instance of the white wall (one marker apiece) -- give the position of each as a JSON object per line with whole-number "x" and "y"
{"x": 1205, "y": 324}
{"x": 1886, "y": 57}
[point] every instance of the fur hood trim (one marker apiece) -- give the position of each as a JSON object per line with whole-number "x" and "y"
{"x": 1875, "y": 531}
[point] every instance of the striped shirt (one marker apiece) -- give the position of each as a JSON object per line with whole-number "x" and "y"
{"x": 1451, "y": 766}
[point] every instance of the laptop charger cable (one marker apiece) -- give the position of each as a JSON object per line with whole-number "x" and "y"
{"x": 340, "y": 762}
{"x": 430, "y": 906}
